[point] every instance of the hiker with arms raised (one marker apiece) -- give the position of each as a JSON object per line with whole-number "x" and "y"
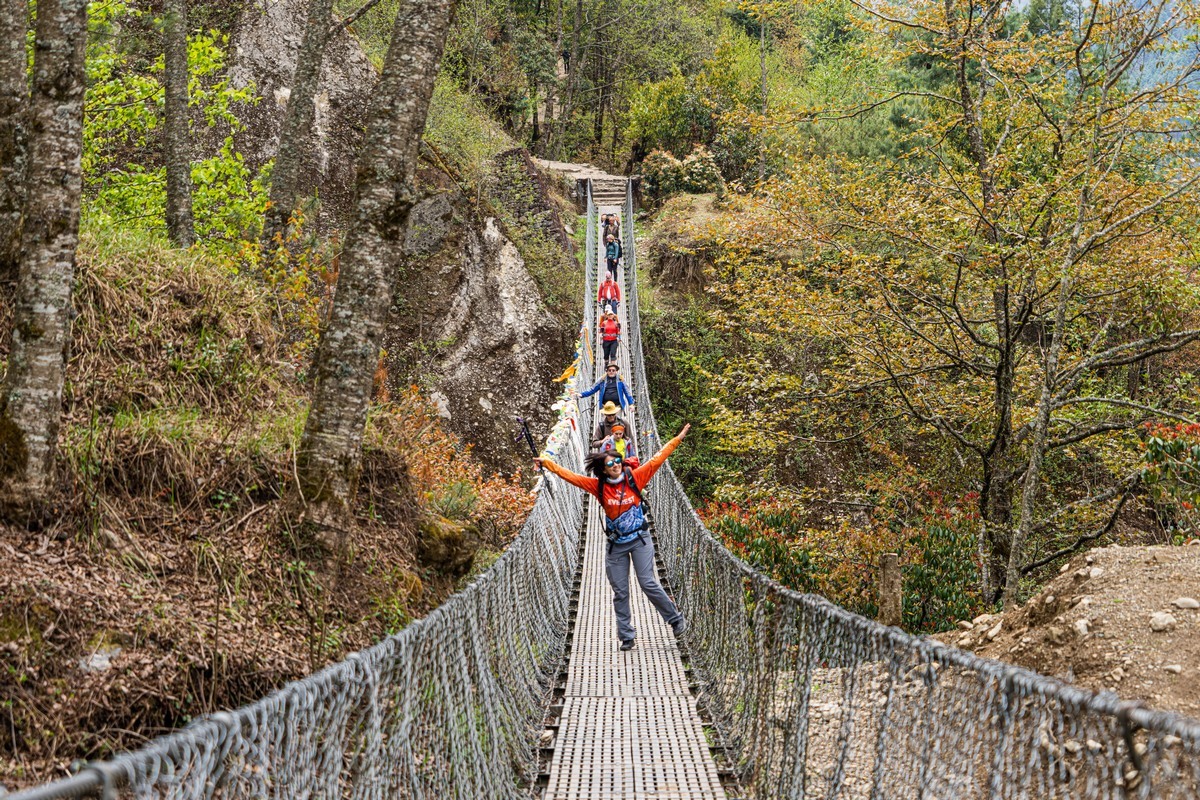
{"x": 619, "y": 490}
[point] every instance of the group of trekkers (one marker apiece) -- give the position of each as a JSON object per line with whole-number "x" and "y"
{"x": 616, "y": 477}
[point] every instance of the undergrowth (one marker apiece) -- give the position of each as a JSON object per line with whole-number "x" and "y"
{"x": 172, "y": 581}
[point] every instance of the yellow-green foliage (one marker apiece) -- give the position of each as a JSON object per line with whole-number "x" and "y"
{"x": 463, "y": 133}
{"x": 124, "y": 181}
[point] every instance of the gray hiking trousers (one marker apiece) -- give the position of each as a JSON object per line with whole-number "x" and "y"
{"x": 641, "y": 552}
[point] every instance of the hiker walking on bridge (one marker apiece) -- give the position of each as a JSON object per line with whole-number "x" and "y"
{"x": 609, "y": 296}
{"x": 619, "y": 490}
{"x": 610, "y": 418}
{"x": 610, "y": 336}
{"x": 612, "y": 226}
{"x": 612, "y": 253}
{"x": 612, "y": 389}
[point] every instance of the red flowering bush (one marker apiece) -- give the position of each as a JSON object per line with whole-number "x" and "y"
{"x": 1172, "y": 472}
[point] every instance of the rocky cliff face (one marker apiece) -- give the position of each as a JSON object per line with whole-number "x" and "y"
{"x": 264, "y": 44}
{"x": 469, "y": 324}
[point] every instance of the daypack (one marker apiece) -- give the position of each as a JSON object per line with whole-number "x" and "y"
{"x": 632, "y": 520}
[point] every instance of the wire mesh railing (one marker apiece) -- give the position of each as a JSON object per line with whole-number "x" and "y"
{"x": 811, "y": 700}
{"x": 816, "y": 702}
{"x": 449, "y": 707}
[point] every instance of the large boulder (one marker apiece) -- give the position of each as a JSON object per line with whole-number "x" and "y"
{"x": 469, "y": 325}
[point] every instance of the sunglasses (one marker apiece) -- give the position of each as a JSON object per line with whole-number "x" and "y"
{"x": 612, "y": 462}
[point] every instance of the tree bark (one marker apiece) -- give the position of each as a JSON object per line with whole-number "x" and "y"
{"x": 14, "y": 97}
{"x": 180, "y": 226}
{"x": 31, "y": 405}
{"x": 330, "y": 453}
{"x": 297, "y": 131}
{"x": 1037, "y": 450}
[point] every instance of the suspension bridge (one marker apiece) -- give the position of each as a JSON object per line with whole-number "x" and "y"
{"x": 514, "y": 687}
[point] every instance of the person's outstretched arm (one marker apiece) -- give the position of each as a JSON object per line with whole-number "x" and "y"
{"x": 645, "y": 472}
{"x": 594, "y": 389}
{"x": 588, "y": 484}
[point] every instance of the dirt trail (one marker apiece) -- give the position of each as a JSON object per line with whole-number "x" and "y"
{"x": 1120, "y": 619}
{"x": 576, "y": 170}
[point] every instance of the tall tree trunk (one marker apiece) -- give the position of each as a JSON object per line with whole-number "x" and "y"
{"x": 574, "y": 66}
{"x": 330, "y": 454}
{"x": 14, "y": 97}
{"x": 601, "y": 83}
{"x": 994, "y": 499}
{"x": 554, "y": 86}
{"x": 1037, "y": 449}
{"x": 31, "y": 405}
{"x": 180, "y": 227}
{"x": 296, "y": 135}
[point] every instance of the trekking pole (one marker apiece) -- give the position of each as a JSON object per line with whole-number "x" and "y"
{"x": 528, "y": 437}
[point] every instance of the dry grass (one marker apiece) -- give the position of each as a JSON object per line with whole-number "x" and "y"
{"x": 174, "y": 541}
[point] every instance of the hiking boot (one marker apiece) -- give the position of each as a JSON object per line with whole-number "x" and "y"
{"x": 627, "y": 644}
{"x": 679, "y": 628}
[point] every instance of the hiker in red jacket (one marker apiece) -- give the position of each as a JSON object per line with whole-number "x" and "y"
{"x": 619, "y": 489}
{"x": 609, "y": 295}
{"x": 610, "y": 336}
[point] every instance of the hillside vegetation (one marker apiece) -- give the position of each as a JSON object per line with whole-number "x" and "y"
{"x": 170, "y": 572}
{"x": 923, "y": 276}
{"x": 956, "y": 315}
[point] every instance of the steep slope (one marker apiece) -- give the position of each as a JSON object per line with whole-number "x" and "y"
{"x": 1122, "y": 619}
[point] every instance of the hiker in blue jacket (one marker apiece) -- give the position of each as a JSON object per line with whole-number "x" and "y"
{"x": 611, "y": 388}
{"x": 613, "y": 254}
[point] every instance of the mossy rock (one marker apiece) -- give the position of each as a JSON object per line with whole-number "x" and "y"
{"x": 447, "y": 546}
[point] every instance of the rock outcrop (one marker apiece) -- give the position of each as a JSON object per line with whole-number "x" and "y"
{"x": 264, "y": 45}
{"x": 469, "y": 324}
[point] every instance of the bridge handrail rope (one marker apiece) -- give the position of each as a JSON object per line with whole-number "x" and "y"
{"x": 814, "y": 701}
{"x": 809, "y": 699}
{"x": 449, "y": 707}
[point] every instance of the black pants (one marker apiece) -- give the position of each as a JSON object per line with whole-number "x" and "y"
{"x": 610, "y": 350}
{"x": 612, "y": 267}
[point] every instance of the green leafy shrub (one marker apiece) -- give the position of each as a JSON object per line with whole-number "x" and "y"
{"x": 839, "y": 560}
{"x": 663, "y": 174}
{"x": 938, "y": 577}
{"x": 124, "y": 181}
{"x": 456, "y": 501}
{"x": 1172, "y": 472}
{"x": 700, "y": 172}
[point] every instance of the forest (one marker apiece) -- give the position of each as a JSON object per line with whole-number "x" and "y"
{"x": 922, "y": 276}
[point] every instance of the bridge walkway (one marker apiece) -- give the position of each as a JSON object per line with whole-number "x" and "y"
{"x": 629, "y": 727}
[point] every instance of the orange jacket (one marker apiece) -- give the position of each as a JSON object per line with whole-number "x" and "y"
{"x": 618, "y": 497}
